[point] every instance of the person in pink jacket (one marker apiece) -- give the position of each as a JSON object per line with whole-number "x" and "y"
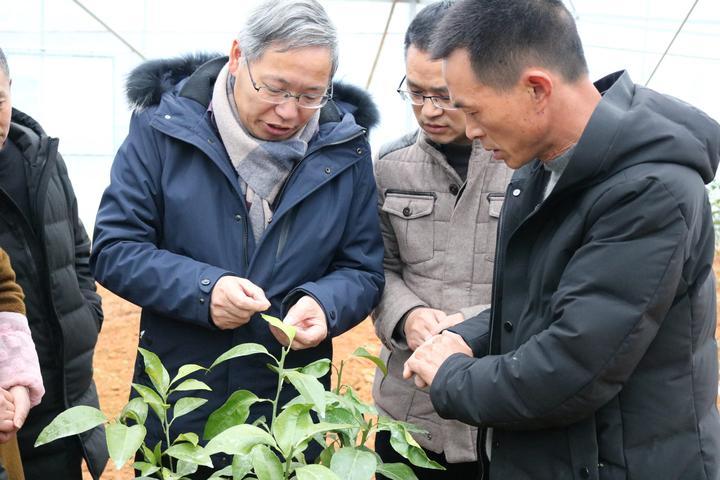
{"x": 21, "y": 386}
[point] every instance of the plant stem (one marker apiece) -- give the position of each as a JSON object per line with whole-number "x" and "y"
{"x": 166, "y": 428}
{"x": 281, "y": 377}
{"x": 339, "y": 377}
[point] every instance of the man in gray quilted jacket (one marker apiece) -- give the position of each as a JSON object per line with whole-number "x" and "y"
{"x": 439, "y": 199}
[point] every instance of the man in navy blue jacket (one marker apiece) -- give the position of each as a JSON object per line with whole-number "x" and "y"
{"x": 244, "y": 186}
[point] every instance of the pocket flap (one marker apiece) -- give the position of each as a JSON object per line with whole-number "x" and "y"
{"x": 496, "y": 203}
{"x": 408, "y": 205}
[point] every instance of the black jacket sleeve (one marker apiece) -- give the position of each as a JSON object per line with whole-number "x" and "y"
{"x": 476, "y": 332}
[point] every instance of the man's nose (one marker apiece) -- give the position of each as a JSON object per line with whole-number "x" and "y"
{"x": 473, "y": 131}
{"x": 287, "y": 110}
{"x": 430, "y": 110}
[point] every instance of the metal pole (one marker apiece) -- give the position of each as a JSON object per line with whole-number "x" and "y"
{"x": 671, "y": 42}
{"x": 107, "y": 27}
{"x": 382, "y": 42}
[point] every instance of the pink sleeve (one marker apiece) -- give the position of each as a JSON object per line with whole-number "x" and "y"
{"x": 18, "y": 358}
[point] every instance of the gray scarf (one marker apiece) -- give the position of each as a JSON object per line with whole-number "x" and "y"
{"x": 262, "y": 166}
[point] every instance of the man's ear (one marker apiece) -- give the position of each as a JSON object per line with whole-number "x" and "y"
{"x": 539, "y": 85}
{"x": 235, "y": 56}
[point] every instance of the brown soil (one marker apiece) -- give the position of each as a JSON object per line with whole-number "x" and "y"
{"x": 115, "y": 354}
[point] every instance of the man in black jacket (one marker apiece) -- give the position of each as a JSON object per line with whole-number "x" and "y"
{"x": 49, "y": 251}
{"x": 598, "y": 358}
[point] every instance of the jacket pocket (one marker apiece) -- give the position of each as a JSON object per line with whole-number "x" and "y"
{"x": 411, "y": 217}
{"x": 495, "y": 204}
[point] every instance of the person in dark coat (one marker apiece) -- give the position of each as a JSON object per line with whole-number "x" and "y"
{"x": 49, "y": 251}
{"x": 245, "y": 185}
{"x": 597, "y": 359}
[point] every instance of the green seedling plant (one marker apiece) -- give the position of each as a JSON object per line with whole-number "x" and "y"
{"x": 337, "y": 420}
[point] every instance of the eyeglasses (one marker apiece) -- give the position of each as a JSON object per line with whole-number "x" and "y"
{"x": 279, "y": 96}
{"x": 418, "y": 99}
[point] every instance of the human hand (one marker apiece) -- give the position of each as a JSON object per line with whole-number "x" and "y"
{"x": 7, "y": 416}
{"x": 234, "y": 301}
{"x": 427, "y": 359}
{"x": 420, "y": 325}
{"x": 308, "y": 318}
{"x": 21, "y": 399}
{"x": 447, "y": 322}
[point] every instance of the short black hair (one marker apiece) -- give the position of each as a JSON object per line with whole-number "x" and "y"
{"x": 419, "y": 33}
{"x": 3, "y": 64}
{"x": 503, "y": 37}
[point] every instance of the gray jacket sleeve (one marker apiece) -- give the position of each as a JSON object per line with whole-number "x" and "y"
{"x": 397, "y": 299}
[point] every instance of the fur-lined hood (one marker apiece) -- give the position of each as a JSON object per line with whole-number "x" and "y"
{"x": 150, "y": 80}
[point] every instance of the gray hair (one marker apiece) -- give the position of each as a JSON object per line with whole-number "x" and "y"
{"x": 291, "y": 24}
{"x": 3, "y": 64}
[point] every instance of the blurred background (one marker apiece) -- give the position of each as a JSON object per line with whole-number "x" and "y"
{"x": 69, "y": 59}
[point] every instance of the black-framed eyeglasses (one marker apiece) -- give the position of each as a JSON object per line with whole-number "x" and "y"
{"x": 279, "y": 96}
{"x": 418, "y": 99}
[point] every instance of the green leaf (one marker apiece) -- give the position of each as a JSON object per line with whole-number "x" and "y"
{"x": 224, "y": 473}
{"x": 157, "y": 451}
{"x": 242, "y": 350}
{"x": 310, "y": 388}
{"x": 363, "y": 353}
{"x": 184, "y": 468}
{"x": 187, "y": 437}
{"x": 152, "y": 399}
{"x": 350, "y": 400}
{"x": 404, "y": 444}
{"x": 188, "y": 452}
{"x": 233, "y": 412}
{"x": 266, "y": 464}
{"x": 335, "y": 414}
{"x": 239, "y": 439}
{"x": 71, "y": 422}
{"x": 353, "y": 464}
{"x": 326, "y": 455}
{"x": 290, "y": 426}
{"x": 241, "y": 466}
{"x": 288, "y": 330}
{"x": 159, "y": 377}
{"x": 146, "y": 469}
{"x": 186, "y": 405}
{"x": 149, "y": 455}
{"x": 318, "y": 368}
{"x": 315, "y": 472}
{"x": 396, "y": 471}
{"x": 322, "y": 428}
{"x": 135, "y": 409}
{"x": 123, "y": 442}
{"x": 186, "y": 370}
{"x": 190, "y": 385}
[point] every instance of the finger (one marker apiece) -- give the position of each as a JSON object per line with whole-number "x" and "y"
{"x": 7, "y": 425}
{"x": 280, "y": 336}
{"x": 419, "y": 382}
{"x": 240, "y": 302}
{"x": 254, "y": 292}
{"x": 22, "y": 405}
{"x": 6, "y": 395}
